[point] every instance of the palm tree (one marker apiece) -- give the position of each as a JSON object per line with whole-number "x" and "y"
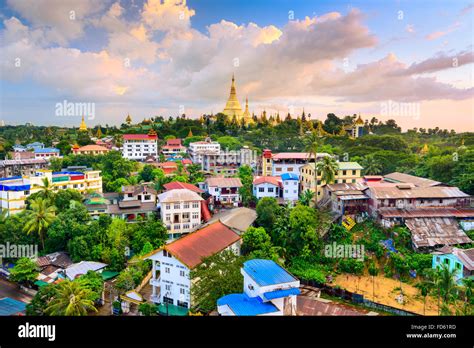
{"x": 432, "y": 280}
{"x": 448, "y": 284}
{"x": 328, "y": 168}
{"x": 468, "y": 285}
{"x": 373, "y": 271}
{"x": 312, "y": 143}
{"x": 38, "y": 218}
{"x": 46, "y": 191}
{"x": 371, "y": 166}
{"x": 72, "y": 299}
{"x": 306, "y": 197}
{"x": 424, "y": 288}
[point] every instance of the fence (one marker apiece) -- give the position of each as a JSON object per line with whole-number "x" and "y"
{"x": 355, "y": 298}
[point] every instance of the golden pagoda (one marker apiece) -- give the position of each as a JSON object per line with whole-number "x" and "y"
{"x": 425, "y": 149}
{"x": 247, "y": 118}
{"x": 128, "y": 120}
{"x": 190, "y": 134}
{"x": 359, "y": 121}
{"x": 83, "y": 126}
{"x": 232, "y": 107}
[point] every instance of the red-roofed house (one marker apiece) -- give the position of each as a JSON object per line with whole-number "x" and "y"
{"x": 176, "y": 185}
{"x": 139, "y": 146}
{"x": 267, "y": 186}
{"x": 171, "y": 282}
{"x": 172, "y": 148}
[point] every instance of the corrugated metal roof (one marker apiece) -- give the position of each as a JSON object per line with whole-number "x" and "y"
{"x": 242, "y": 304}
{"x": 426, "y": 212}
{"x": 83, "y": 267}
{"x": 432, "y": 232}
{"x": 208, "y": 241}
{"x": 418, "y": 192}
{"x": 289, "y": 176}
{"x": 179, "y": 195}
{"x": 271, "y": 295}
{"x": 407, "y": 178}
{"x": 10, "y": 306}
{"x": 182, "y": 185}
{"x": 237, "y": 218}
{"x": 223, "y": 182}
{"x": 267, "y": 272}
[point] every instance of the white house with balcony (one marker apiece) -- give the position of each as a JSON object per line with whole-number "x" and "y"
{"x": 180, "y": 211}
{"x": 171, "y": 265}
{"x": 268, "y": 290}
{"x": 267, "y": 186}
{"x": 224, "y": 191}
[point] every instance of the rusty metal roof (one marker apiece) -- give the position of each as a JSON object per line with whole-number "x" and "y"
{"x": 426, "y": 212}
{"x": 433, "y": 192}
{"x": 194, "y": 247}
{"x": 223, "y": 182}
{"x": 432, "y": 232}
{"x": 407, "y": 178}
{"x": 357, "y": 186}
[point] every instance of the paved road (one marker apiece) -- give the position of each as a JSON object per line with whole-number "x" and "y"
{"x": 12, "y": 290}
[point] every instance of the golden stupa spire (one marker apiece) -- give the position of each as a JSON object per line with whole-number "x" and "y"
{"x": 246, "y": 115}
{"x": 232, "y": 107}
{"x": 83, "y": 126}
{"x": 190, "y": 134}
{"x": 425, "y": 149}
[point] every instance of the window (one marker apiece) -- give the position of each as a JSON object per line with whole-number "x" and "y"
{"x": 195, "y": 205}
{"x": 183, "y": 304}
{"x": 270, "y": 189}
{"x": 261, "y": 189}
{"x": 168, "y": 287}
{"x": 344, "y": 172}
{"x": 277, "y": 169}
{"x": 353, "y": 172}
{"x": 182, "y": 273}
{"x": 286, "y": 182}
{"x": 167, "y": 300}
{"x": 458, "y": 265}
{"x": 168, "y": 217}
{"x": 167, "y": 270}
{"x": 186, "y": 205}
{"x": 289, "y": 169}
{"x": 177, "y": 205}
{"x": 182, "y": 291}
{"x": 446, "y": 261}
{"x": 168, "y": 206}
{"x": 195, "y": 216}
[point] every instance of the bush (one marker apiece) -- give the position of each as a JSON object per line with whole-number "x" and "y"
{"x": 351, "y": 266}
{"x": 303, "y": 269}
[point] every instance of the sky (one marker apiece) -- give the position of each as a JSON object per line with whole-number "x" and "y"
{"x": 411, "y": 61}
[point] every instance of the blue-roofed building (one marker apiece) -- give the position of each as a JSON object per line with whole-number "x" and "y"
{"x": 290, "y": 189}
{"x": 47, "y": 152}
{"x": 10, "y": 306}
{"x": 35, "y": 145}
{"x": 268, "y": 290}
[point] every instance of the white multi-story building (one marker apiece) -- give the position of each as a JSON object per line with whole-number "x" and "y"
{"x": 200, "y": 148}
{"x": 139, "y": 146}
{"x": 268, "y": 290}
{"x": 180, "y": 211}
{"x": 290, "y": 186}
{"x": 224, "y": 191}
{"x": 15, "y": 190}
{"x": 267, "y": 186}
{"x": 286, "y": 162}
{"x": 171, "y": 282}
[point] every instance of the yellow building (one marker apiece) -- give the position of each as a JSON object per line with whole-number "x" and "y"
{"x": 349, "y": 172}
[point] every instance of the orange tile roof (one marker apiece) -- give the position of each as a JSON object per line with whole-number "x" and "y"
{"x": 92, "y": 148}
{"x": 274, "y": 180}
{"x": 208, "y": 241}
{"x": 175, "y": 185}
